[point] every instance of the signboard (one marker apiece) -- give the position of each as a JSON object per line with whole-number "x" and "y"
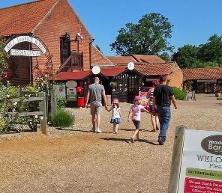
{"x": 200, "y": 163}
{"x": 20, "y": 39}
{"x": 71, "y": 84}
{"x": 60, "y": 90}
{"x": 71, "y": 94}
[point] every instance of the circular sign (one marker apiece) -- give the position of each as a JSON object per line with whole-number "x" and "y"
{"x": 71, "y": 84}
{"x": 131, "y": 66}
{"x": 96, "y": 70}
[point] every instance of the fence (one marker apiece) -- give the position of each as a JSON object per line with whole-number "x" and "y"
{"x": 41, "y": 99}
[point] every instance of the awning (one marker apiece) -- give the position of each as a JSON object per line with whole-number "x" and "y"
{"x": 112, "y": 71}
{"x": 77, "y": 75}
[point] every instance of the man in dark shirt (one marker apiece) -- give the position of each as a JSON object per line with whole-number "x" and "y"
{"x": 163, "y": 97}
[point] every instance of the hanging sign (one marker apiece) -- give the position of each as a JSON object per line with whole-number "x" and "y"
{"x": 96, "y": 70}
{"x": 71, "y": 84}
{"x": 130, "y": 66}
{"x": 200, "y": 163}
{"x": 20, "y": 39}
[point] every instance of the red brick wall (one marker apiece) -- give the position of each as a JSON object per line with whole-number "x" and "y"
{"x": 63, "y": 19}
{"x": 176, "y": 78}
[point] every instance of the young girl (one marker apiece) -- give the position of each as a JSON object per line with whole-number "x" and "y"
{"x": 135, "y": 116}
{"x": 115, "y": 119}
{"x": 152, "y": 107}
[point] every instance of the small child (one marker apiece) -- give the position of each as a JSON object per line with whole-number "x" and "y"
{"x": 115, "y": 119}
{"x": 135, "y": 116}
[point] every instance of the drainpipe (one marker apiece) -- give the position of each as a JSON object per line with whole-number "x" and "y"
{"x": 90, "y": 52}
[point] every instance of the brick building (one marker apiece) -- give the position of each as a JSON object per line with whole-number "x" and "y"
{"x": 59, "y": 28}
{"x": 70, "y": 53}
{"x": 203, "y": 80}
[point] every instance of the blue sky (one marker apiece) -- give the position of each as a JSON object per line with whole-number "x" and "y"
{"x": 194, "y": 20}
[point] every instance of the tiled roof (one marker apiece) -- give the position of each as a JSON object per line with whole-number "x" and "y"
{"x": 23, "y": 18}
{"x": 148, "y": 58}
{"x": 76, "y": 75}
{"x": 124, "y": 60}
{"x": 202, "y": 73}
{"x": 155, "y": 69}
{"x": 112, "y": 71}
{"x": 119, "y": 60}
{"x": 144, "y": 69}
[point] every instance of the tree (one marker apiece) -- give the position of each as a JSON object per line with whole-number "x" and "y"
{"x": 204, "y": 55}
{"x": 149, "y": 36}
{"x": 3, "y": 59}
{"x": 186, "y": 56}
{"x": 212, "y": 50}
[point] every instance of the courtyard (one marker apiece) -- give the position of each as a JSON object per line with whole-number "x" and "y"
{"x": 74, "y": 160}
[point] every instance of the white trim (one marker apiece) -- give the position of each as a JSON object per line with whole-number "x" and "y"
{"x": 16, "y": 52}
{"x": 21, "y": 39}
{"x": 104, "y": 65}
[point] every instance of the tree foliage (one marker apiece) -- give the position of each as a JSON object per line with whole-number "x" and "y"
{"x": 148, "y": 36}
{"x": 212, "y": 50}
{"x": 204, "y": 55}
{"x": 3, "y": 59}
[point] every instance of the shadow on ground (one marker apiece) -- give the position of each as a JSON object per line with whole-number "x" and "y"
{"x": 128, "y": 140}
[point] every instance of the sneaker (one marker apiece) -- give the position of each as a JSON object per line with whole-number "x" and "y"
{"x": 161, "y": 140}
{"x": 92, "y": 130}
{"x": 131, "y": 140}
{"x": 98, "y": 131}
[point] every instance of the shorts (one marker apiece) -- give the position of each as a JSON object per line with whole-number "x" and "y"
{"x": 136, "y": 124}
{"x": 95, "y": 108}
{"x": 152, "y": 109}
{"x": 115, "y": 120}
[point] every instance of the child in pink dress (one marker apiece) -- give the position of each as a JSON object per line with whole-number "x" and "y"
{"x": 135, "y": 116}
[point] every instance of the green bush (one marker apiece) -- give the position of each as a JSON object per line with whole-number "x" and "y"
{"x": 179, "y": 94}
{"x": 62, "y": 118}
{"x": 60, "y": 102}
{"x": 2, "y": 124}
{"x": 219, "y": 98}
{"x": 9, "y": 92}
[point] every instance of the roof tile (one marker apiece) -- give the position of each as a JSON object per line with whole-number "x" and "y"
{"x": 202, "y": 73}
{"x": 23, "y": 18}
{"x": 76, "y": 75}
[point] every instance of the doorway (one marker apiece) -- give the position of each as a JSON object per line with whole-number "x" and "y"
{"x": 65, "y": 49}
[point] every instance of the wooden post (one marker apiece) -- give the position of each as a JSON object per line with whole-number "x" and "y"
{"x": 43, "y": 122}
{"x": 53, "y": 101}
{"x": 176, "y": 159}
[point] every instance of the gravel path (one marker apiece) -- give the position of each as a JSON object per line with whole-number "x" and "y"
{"x": 75, "y": 160}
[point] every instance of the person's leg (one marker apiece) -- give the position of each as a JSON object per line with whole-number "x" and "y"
{"x": 153, "y": 122}
{"x": 136, "y": 133}
{"x": 93, "y": 122}
{"x": 164, "y": 116}
{"x": 157, "y": 122}
{"x": 97, "y": 123}
{"x": 92, "y": 109}
{"x": 116, "y": 128}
